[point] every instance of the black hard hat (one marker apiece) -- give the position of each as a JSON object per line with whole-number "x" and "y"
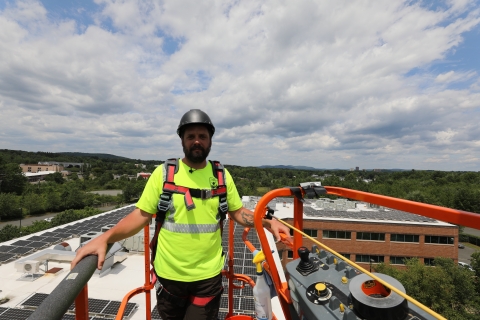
{"x": 195, "y": 116}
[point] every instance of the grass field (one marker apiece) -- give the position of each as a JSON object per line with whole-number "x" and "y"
{"x": 263, "y": 190}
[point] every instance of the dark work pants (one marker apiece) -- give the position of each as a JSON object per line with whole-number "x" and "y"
{"x": 203, "y": 288}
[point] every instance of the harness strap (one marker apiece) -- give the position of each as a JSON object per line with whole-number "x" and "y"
{"x": 182, "y": 301}
{"x": 219, "y": 173}
{"x": 194, "y": 193}
{"x": 203, "y": 301}
{"x": 169, "y": 188}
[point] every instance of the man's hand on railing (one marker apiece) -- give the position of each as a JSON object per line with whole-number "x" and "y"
{"x": 97, "y": 246}
{"x": 276, "y": 228}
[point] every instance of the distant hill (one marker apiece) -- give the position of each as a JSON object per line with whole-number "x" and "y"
{"x": 94, "y": 155}
{"x": 290, "y": 167}
{"x": 19, "y": 156}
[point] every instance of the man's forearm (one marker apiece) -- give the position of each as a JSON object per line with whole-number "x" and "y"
{"x": 244, "y": 217}
{"x": 129, "y": 226}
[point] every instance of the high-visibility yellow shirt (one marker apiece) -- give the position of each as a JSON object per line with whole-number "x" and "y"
{"x": 183, "y": 255}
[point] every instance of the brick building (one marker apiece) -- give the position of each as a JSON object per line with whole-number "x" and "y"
{"x": 365, "y": 233}
{"x": 33, "y": 168}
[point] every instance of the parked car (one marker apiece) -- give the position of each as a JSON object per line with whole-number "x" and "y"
{"x": 461, "y": 246}
{"x": 465, "y": 265}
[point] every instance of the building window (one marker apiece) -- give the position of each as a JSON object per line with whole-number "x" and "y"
{"x": 428, "y": 261}
{"x": 337, "y": 234}
{"x": 346, "y": 255}
{"x": 366, "y": 258}
{"x": 29, "y": 169}
{"x": 439, "y": 240}
{"x": 404, "y": 237}
{"x": 371, "y": 236}
{"x": 310, "y": 232}
{"x": 39, "y": 169}
{"x": 290, "y": 254}
{"x": 398, "y": 260}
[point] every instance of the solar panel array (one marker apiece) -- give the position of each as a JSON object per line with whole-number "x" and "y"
{"x": 21, "y": 248}
{"x": 390, "y": 215}
{"x": 101, "y": 308}
{"x": 96, "y": 307}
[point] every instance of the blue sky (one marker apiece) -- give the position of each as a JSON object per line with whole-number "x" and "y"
{"x": 330, "y": 84}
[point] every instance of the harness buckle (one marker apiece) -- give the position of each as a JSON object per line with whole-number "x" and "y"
{"x": 164, "y": 203}
{"x": 223, "y": 205}
{"x": 158, "y": 287}
{"x": 205, "y": 194}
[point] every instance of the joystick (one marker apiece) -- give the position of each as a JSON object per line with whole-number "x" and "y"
{"x": 305, "y": 266}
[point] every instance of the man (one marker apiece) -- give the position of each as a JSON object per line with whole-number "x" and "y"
{"x": 189, "y": 258}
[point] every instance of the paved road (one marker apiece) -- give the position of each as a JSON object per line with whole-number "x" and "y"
{"x": 464, "y": 254}
{"x": 29, "y": 220}
{"x": 473, "y": 232}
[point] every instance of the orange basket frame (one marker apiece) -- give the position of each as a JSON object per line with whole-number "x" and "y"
{"x": 458, "y": 217}
{"x": 454, "y": 216}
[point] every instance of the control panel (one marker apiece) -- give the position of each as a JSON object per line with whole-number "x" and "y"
{"x": 322, "y": 286}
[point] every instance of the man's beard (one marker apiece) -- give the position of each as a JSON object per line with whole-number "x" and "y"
{"x": 194, "y": 156}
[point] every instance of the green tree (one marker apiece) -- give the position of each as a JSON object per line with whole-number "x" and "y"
{"x": 33, "y": 203}
{"x": 52, "y": 200}
{"x": 446, "y": 288}
{"x": 9, "y": 232}
{"x": 9, "y": 206}
{"x": 467, "y": 199}
{"x": 129, "y": 191}
{"x": 12, "y": 178}
{"x": 475, "y": 262}
{"x": 55, "y": 177}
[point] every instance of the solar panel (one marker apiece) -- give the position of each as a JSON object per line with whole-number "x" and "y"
{"x": 22, "y": 250}
{"x": 35, "y": 300}
{"x": 247, "y": 304}
{"x": 237, "y": 269}
{"x": 21, "y": 243}
{"x": 6, "y": 256}
{"x": 96, "y": 305}
{"x": 68, "y": 317}
{"x": 16, "y": 314}
{"x": 5, "y": 249}
{"x": 49, "y": 234}
{"x": 224, "y": 302}
{"x": 52, "y": 239}
{"x": 36, "y": 238}
{"x": 37, "y": 244}
{"x": 154, "y": 314}
{"x": 238, "y": 255}
{"x": 113, "y": 306}
{"x": 249, "y": 271}
{"x": 247, "y": 291}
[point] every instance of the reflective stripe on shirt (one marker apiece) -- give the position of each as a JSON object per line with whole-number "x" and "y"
{"x": 190, "y": 228}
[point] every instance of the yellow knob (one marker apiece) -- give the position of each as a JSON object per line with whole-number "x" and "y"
{"x": 342, "y": 308}
{"x": 320, "y": 287}
{"x": 344, "y": 280}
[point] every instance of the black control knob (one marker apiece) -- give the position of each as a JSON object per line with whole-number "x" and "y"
{"x": 304, "y": 253}
{"x": 305, "y": 266}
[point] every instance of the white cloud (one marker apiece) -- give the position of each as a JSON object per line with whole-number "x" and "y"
{"x": 337, "y": 83}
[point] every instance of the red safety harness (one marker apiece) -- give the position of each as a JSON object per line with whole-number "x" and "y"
{"x": 169, "y": 188}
